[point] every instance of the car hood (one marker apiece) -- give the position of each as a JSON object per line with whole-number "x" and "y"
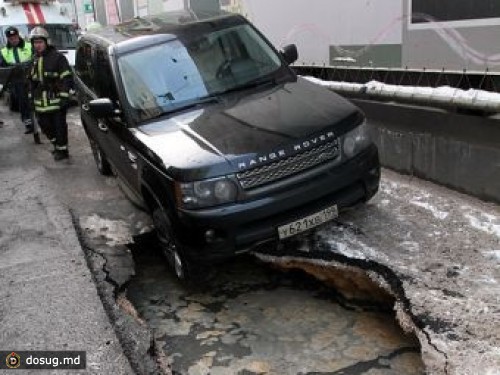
{"x": 223, "y": 138}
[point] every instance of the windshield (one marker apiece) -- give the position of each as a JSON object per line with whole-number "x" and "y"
{"x": 61, "y": 36}
{"x": 177, "y": 73}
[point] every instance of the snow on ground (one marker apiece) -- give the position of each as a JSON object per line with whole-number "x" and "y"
{"x": 484, "y": 222}
{"x": 417, "y": 197}
{"x": 444, "y": 247}
{"x": 418, "y": 201}
{"x": 440, "y": 206}
{"x": 493, "y": 254}
{"x": 346, "y": 243}
{"x": 116, "y": 232}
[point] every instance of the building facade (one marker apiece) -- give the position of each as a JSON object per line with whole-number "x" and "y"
{"x": 450, "y": 34}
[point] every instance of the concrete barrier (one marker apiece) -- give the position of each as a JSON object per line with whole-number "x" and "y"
{"x": 457, "y": 150}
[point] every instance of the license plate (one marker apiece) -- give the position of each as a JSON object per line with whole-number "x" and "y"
{"x": 306, "y": 223}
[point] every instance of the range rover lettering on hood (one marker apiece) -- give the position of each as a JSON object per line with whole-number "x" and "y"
{"x": 286, "y": 151}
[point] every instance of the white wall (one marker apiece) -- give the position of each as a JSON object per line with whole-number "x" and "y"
{"x": 169, "y": 5}
{"x": 314, "y": 25}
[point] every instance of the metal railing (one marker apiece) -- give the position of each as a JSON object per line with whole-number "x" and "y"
{"x": 470, "y": 90}
{"x": 461, "y": 79}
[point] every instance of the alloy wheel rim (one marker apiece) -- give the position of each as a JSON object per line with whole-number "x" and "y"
{"x": 168, "y": 246}
{"x": 178, "y": 266}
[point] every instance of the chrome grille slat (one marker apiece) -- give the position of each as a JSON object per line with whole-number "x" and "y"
{"x": 289, "y": 166}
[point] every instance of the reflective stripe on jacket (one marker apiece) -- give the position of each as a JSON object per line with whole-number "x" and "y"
{"x": 50, "y": 80}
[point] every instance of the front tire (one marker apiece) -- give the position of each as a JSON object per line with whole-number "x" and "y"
{"x": 183, "y": 267}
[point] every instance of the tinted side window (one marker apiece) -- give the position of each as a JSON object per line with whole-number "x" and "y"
{"x": 104, "y": 85}
{"x": 84, "y": 67}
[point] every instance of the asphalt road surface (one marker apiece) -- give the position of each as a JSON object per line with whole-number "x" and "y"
{"x": 305, "y": 307}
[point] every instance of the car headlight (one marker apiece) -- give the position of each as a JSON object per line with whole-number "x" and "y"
{"x": 356, "y": 140}
{"x": 207, "y": 193}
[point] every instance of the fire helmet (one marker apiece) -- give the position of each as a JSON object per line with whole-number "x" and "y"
{"x": 39, "y": 33}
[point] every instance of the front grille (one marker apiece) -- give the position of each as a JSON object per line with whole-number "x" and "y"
{"x": 287, "y": 167}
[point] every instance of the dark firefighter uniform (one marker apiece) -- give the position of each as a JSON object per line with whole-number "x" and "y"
{"x": 50, "y": 83}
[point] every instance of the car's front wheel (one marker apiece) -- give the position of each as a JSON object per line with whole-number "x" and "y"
{"x": 102, "y": 163}
{"x": 184, "y": 268}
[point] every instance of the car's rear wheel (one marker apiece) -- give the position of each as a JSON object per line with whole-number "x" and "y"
{"x": 184, "y": 268}
{"x": 101, "y": 162}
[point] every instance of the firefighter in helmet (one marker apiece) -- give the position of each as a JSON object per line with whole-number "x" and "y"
{"x": 50, "y": 84}
{"x": 18, "y": 53}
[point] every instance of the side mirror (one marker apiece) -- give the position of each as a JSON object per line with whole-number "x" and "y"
{"x": 102, "y": 108}
{"x": 290, "y": 53}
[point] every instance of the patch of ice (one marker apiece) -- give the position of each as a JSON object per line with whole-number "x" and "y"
{"x": 342, "y": 248}
{"x": 348, "y": 244}
{"x": 490, "y": 217}
{"x": 485, "y": 223}
{"x": 116, "y": 232}
{"x": 493, "y": 254}
{"x": 487, "y": 280}
{"x": 441, "y": 215}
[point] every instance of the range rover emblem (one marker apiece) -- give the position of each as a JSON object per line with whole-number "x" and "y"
{"x": 281, "y": 154}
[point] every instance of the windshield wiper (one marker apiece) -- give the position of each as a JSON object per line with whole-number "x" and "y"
{"x": 250, "y": 84}
{"x": 191, "y": 104}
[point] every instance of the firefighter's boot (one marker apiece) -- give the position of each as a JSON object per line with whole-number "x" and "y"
{"x": 61, "y": 154}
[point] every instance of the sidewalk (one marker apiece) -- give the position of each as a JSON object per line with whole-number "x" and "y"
{"x": 48, "y": 299}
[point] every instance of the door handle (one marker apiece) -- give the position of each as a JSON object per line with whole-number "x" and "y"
{"x": 85, "y": 107}
{"x": 102, "y": 126}
{"x": 132, "y": 157}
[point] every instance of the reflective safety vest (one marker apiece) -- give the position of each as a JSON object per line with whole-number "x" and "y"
{"x": 25, "y": 53}
{"x": 50, "y": 81}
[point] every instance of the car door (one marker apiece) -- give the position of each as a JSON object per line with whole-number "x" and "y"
{"x": 115, "y": 134}
{"x": 85, "y": 71}
{"x": 92, "y": 85}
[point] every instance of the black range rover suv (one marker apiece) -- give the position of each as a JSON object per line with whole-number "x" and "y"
{"x": 208, "y": 128}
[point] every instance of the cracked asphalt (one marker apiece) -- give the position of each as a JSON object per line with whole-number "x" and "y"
{"x": 255, "y": 319}
{"x": 418, "y": 256}
{"x": 437, "y": 251}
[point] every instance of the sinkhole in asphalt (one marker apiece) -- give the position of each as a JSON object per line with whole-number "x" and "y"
{"x": 253, "y": 318}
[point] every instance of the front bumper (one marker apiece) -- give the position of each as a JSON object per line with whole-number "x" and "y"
{"x": 243, "y": 225}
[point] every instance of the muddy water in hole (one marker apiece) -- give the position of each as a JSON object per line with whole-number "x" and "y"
{"x": 253, "y": 319}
